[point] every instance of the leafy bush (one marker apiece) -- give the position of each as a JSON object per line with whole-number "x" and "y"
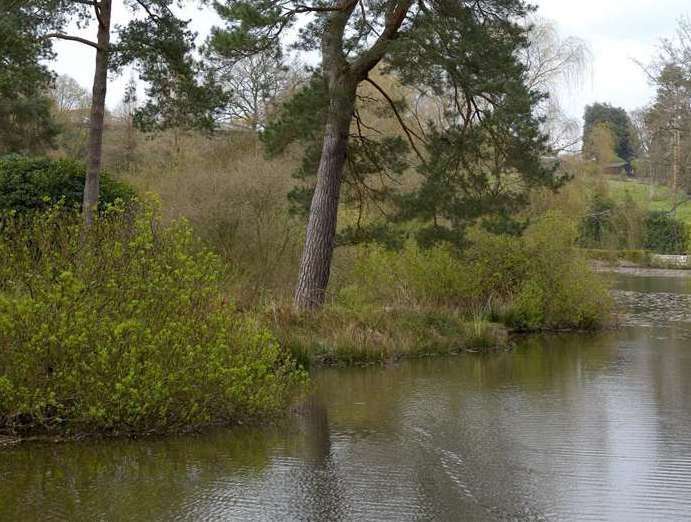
{"x": 123, "y": 327}
{"x": 537, "y": 281}
{"x": 610, "y": 224}
{"x": 408, "y": 277}
{"x": 664, "y": 234}
{"x": 540, "y": 281}
{"x": 37, "y": 183}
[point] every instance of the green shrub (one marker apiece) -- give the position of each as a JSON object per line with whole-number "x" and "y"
{"x": 596, "y": 224}
{"x": 664, "y": 234}
{"x": 124, "y": 328}
{"x": 410, "y": 277}
{"x": 37, "y": 183}
{"x": 536, "y": 281}
{"x": 612, "y": 225}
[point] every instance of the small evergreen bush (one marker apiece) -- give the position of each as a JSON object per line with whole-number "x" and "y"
{"x": 28, "y": 183}
{"x": 124, "y": 328}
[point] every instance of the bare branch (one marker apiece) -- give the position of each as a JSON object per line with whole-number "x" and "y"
{"x": 146, "y": 8}
{"x": 84, "y": 41}
{"x": 409, "y": 133}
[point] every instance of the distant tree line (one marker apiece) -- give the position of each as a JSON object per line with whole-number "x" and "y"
{"x": 654, "y": 141}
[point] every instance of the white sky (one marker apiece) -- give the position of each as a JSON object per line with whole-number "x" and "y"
{"x": 617, "y": 32}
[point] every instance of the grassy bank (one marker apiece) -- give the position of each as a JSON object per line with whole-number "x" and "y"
{"x": 652, "y": 197}
{"x": 410, "y": 303}
{"x": 337, "y": 336}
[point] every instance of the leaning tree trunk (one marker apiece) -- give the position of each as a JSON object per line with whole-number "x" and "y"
{"x": 98, "y": 107}
{"x": 315, "y": 266}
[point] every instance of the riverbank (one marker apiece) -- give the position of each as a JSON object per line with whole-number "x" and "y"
{"x": 171, "y": 350}
{"x": 338, "y": 337}
{"x": 637, "y": 259}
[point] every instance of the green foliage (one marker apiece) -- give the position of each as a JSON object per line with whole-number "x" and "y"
{"x": 664, "y": 234}
{"x": 37, "y": 183}
{"x": 26, "y": 124}
{"x": 123, "y": 328}
{"x": 618, "y": 121}
{"x": 181, "y": 93}
{"x": 478, "y": 151}
{"x": 596, "y": 223}
{"x": 537, "y": 281}
{"x": 557, "y": 289}
{"x": 624, "y": 225}
{"x": 612, "y": 224}
{"x": 155, "y": 42}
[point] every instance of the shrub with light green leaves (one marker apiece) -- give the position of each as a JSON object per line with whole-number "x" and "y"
{"x": 536, "y": 281}
{"x": 124, "y": 328}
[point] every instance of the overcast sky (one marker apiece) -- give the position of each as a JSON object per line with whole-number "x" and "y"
{"x": 616, "y": 31}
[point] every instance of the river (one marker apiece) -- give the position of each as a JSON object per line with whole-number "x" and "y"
{"x": 563, "y": 427}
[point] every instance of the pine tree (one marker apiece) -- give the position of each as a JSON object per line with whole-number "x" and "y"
{"x": 26, "y": 124}
{"x": 160, "y": 44}
{"x": 482, "y": 153}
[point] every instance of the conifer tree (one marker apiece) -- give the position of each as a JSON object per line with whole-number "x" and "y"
{"x": 482, "y": 153}
{"x": 26, "y": 124}
{"x": 159, "y": 43}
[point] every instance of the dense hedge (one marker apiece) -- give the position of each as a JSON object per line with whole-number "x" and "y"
{"x": 124, "y": 328}
{"x": 665, "y": 234}
{"x": 625, "y": 226}
{"x": 28, "y": 183}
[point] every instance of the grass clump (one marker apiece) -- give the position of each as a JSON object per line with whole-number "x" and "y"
{"x": 339, "y": 335}
{"x": 124, "y": 328}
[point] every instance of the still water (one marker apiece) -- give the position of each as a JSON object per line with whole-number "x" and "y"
{"x": 561, "y": 428}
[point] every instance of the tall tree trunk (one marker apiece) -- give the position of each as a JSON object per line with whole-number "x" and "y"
{"x": 675, "y": 167}
{"x": 98, "y": 107}
{"x": 315, "y": 266}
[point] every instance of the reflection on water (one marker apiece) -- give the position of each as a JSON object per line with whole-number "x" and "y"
{"x": 563, "y": 427}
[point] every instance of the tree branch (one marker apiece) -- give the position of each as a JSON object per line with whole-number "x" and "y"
{"x": 146, "y": 8}
{"x": 405, "y": 128}
{"x": 323, "y": 9}
{"x": 84, "y": 41}
{"x": 370, "y": 58}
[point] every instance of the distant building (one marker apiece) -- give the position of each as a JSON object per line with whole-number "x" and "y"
{"x": 619, "y": 168}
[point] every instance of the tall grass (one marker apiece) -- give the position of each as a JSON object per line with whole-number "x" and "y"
{"x": 235, "y": 199}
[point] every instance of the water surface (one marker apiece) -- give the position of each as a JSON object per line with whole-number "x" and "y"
{"x": 561, "y": 428}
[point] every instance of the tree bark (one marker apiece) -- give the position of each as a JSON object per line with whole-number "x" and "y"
{"x": 315, "y": 265}
{"x": 98, "y": 107}
{"x": 342, "y": 78}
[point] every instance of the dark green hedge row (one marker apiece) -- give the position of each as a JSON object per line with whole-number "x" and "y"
{"x": 29, "y": 183}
